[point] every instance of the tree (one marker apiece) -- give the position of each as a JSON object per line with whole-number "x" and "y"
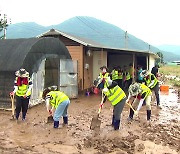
{"x": 160, "y": 59}
{"x": 3, "y": 26}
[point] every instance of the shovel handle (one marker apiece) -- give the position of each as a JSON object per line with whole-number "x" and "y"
{"x": 12, "y": 104}
{"x": 130, "y": 106}
{"x": 101, "y": 105}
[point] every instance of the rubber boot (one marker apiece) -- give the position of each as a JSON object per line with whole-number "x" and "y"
{"x": 65, "y": 120}
{"x": 113, "y": 120}
{"x": 116, "y": 124}
{"x": 56, "y": 124}
{"x": 131, "y": 114}
{"x": 148, "y": 114}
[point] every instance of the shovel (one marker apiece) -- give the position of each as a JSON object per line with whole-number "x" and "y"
{"x": 12, "y": 106}
{"x": 50, "y": 119}
{"x": 96, "y": 123}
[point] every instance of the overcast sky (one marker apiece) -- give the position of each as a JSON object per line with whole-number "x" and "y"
{"x": 154, "y": 21}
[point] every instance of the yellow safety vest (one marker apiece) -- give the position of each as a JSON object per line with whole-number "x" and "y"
{"x": 23, "y": 89}
{"x": 146, "y": 90}
{"x": 148, "y": 81}
{"x": 114, "y": 75}
{"x": 115, "y": 95}
{"x": 57, "y": 97}
{"x": 120, "y": 75}
{"x": 104, "y": 76}
{"x": 128, "y": 76}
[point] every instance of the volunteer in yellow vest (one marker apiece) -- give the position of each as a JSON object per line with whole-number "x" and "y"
{"x": 152, "y": 82}
{"x": 22, "y": 90}
{"x": 120, "y": 77}
{"x": 126, "y": 78}
{"x": 141, "y": 93}
{"x": 116, "y": 96}
{"x": 114, "y": 74}
{"x": 104, "y": 74}
{"x": 57, "y": 104}
{"x": 131, "y": 73}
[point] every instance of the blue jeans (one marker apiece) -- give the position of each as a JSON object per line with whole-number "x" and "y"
{"x": 61, "y": 110}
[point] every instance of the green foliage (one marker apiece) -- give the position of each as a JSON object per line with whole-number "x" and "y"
{"x": 160, "y": 60}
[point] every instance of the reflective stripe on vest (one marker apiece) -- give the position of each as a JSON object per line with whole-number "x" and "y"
{"x": 114, "y": 75}
{"x": 145, "y": 90}
{"x": 120, "y": 75}
{"x": 148, "y": 81}
{"x": 128, "y": 76}
{"x": 57, "y": 98}
{"x": 115, "y": 95}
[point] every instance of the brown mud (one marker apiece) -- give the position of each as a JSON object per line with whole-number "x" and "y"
{"x": 35, "y": 136}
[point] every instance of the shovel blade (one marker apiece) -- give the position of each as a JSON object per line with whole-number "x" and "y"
{"x": 50, "y": 119}
{"x": 95, "y": 123}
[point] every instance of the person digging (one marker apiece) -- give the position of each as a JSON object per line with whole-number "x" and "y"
{"x": 57, "y": 104}
{"x": 141, "y": 93}
{"x": 116, "y": 96}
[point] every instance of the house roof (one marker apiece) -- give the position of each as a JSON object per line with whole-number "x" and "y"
{"x": 96, "y": 33}
{"x": 27, "y": 53}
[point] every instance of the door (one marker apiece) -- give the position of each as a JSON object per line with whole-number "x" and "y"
{"x": 69, "y": 77}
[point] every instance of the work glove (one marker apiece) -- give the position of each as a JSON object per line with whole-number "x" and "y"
{"x": 105, "y": 90}
{"x": 50, "y": 112}
{"x": 136, "y": 113}
{"x": 11, "y": 93}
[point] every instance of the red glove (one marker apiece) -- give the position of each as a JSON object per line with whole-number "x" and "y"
{"x": 11, "y": 93}
{"x": 50, "y": 112}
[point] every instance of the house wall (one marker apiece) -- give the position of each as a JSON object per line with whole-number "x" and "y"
{"x": 77, "y": 54}
{"x": 88, "y": 71}
{"x": 151, "y": 62}
{"x": 99, "y": 59}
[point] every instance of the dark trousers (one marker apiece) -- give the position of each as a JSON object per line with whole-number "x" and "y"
{"x": 21, "y": 104}
{"x": 120, "y": 83}
{"x": 156, "y": 91}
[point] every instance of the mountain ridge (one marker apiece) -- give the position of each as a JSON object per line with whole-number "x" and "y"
{"x": 32, "y": 29}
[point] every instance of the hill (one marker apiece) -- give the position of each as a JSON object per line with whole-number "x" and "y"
{"x": 94, "y": 29}
{"x": 170, "y": 48}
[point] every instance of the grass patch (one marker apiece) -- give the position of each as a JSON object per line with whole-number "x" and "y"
{"x": 171, "y": 71}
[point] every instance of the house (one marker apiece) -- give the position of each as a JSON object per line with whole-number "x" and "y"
{"x": 43, "y": 58}
{"x": 94, "y": 43}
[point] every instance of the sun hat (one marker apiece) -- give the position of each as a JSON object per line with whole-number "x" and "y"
{"x": 22, "y": 73}
{"x": 135, "y": 89}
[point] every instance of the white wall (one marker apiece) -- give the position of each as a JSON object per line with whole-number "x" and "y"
{"x": 151, "y": 62}
{"x": 99, "y": 59}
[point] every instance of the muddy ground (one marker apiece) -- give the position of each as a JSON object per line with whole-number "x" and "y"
{"x": 35, "y": 136}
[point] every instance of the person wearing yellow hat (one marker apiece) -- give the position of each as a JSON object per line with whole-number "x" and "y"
{"x": 22, "y": 90}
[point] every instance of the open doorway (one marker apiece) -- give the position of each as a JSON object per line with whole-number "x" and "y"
{"x": 141, "y": 61}
{"x": 51, "y": 72}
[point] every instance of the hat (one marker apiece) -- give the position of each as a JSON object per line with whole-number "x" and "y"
{"x": 53, "y": 88}
{"x": 22, "y": 73}
{"x": 103, "y": 67}
{"x": 144, "y": 73}
{"x": 135, "y": 89}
